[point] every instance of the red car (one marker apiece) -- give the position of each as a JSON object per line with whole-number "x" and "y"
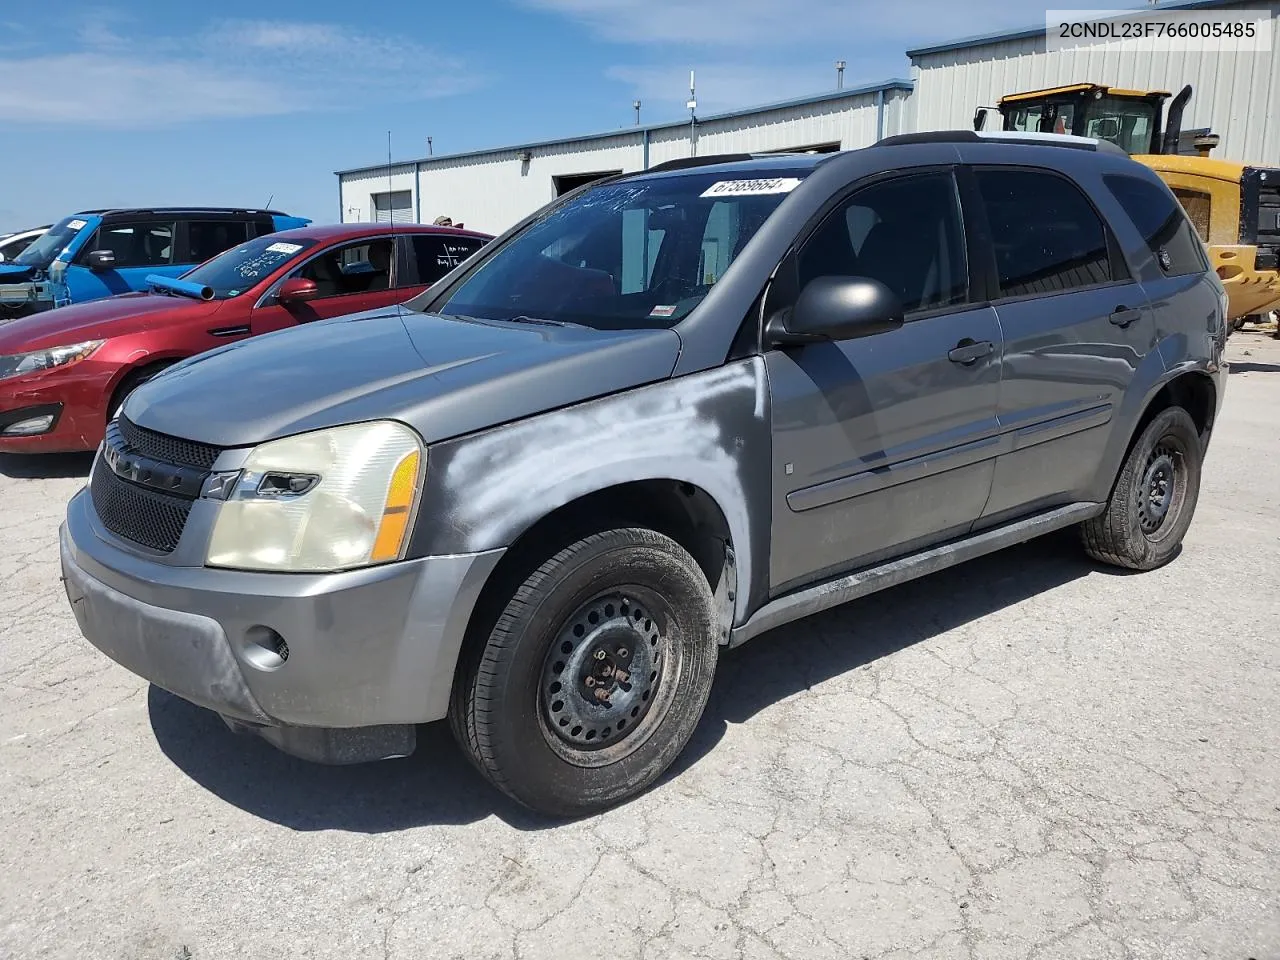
{"x": 64, "y": 373}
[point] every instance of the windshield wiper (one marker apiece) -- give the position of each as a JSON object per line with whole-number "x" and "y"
{"x": 544, "y": 322}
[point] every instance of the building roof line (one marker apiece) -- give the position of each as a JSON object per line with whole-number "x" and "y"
{"x": 1026, "y": 33}
{"x": 863, "y": 90}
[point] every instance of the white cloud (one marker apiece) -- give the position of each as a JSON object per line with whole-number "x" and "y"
{"x": 239, "y": 68}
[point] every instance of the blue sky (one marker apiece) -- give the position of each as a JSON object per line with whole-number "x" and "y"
{"x": 150, "y": 103}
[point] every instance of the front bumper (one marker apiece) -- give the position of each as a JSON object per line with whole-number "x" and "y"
{"x": 372, "y": 648}
{"x": 79, "y": 395}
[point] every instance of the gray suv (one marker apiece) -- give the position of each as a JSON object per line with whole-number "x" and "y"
{"x": 665, "y": 414}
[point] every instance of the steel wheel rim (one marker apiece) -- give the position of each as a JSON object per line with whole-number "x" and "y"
{"x": 589, "y": 713}
{"x": 1161, "y": 489}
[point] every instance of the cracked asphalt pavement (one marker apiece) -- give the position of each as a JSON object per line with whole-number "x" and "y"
{"x": 1025, "y": 757}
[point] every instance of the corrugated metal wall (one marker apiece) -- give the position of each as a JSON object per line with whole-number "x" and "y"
{"x": 1237, "y": 95}
{"x": 491, "y": 191}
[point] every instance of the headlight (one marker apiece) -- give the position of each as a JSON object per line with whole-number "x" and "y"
{"x": 38, "y": 360}
{"x": 318, "y": 502}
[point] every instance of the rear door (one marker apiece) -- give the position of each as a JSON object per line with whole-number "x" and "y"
{"x": 141, "y": 247}
{"x": 423, "y": 258}
{"x": 349, "y": 277}
{"x": 886, "y": 443}
{"x": 204, "y": 239}
{"x": 1076, "y": 326}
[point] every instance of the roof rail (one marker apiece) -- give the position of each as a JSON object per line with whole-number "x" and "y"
{"x": 107, "y": 210}
{"x": 700, "y": 161}
{"x": 1004, "y": 136}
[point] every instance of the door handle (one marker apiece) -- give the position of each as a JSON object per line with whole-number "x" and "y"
{"x": 969, "y": 352}
{"x": 1123, "y": 316}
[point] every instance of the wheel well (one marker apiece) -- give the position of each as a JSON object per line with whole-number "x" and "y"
{"x": 682, "y": 511}
{"x": 1194, "y": 392}
{"x": 132, "y": 377}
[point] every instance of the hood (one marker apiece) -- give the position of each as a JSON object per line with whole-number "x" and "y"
{"x": 444, "y": 376}
{"x": 98, "y": 320}
{"x": 16, "y": 272}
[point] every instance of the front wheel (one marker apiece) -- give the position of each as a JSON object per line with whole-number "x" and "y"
{"x": 1154, "y": 497}
{"x": 594, "y": 676}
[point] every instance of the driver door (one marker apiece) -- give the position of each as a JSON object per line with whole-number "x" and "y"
{"x": 349, "y": 278}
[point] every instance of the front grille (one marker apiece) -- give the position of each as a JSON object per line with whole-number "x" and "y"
{"x": 155, "y": 520}
{"x": 160, "y": 446}
{"x": 1268, "y": 226}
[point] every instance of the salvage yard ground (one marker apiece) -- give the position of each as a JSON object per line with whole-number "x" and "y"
{"x": 1026, "y": 756}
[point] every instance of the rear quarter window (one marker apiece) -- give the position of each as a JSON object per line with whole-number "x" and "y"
{"x": 1163, "y": 224}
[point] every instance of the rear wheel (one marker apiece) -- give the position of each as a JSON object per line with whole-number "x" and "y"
{"x": 594, "y": 676}
{"x": 1154, "y": 497}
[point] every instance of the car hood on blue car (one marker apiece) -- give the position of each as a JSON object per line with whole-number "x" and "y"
{"x": 445, "y": 376}
{"x": 15, "y": 272}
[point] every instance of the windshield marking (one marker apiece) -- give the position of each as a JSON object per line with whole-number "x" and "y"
{"x": 751, "y": 188}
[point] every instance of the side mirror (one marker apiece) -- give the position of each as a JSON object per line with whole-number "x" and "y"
{"x": 979, "y": 118}
{"x": 838, "y": 308}
{"x": 99, "y": 260}
{"x": 297, "y": 290}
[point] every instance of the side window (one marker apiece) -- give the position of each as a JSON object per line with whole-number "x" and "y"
{"x": 907, "y": 233}
{"x": 363, "y": 267}
{"x": 435, "y": 256}
{"x": 1047, "y": 236}
{"x": 135, "y": 244}
{"x": 208, "y": 238}
{"x": 1162, "y": 224}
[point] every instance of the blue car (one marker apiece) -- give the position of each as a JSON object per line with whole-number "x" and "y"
{"x": 100, "y": 253}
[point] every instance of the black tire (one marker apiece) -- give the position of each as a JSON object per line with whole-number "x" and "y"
{"x": 521, "y": 708}
{"x": 1154, "y": 497}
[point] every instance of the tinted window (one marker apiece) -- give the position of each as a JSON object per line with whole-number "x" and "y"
{"x": 627, "y": 255}
{"x": 905, "y": 233}
{"x": 1162, "y": 224}
{"x": 434, "y": 256}
{"x": 208, "y": 238}
{"x": 362, "y": 267}
{"x": 135, "y": 244}
{"x": 235, "y": 271}
{"x": 1047, "y": 236}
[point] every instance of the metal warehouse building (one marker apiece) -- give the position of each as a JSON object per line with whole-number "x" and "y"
{"x": 1236, "y": 95}
{"x": 490, "y": 190}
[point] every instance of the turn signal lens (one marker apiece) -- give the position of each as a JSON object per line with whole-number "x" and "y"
{"x": 395, "y": 515}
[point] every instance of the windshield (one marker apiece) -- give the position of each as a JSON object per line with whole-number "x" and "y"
{"x": 639, "y": 254}
{"x": 233, "y": 272}
{"x": 42, "y": 252}
{"x": 1128, "y": 123}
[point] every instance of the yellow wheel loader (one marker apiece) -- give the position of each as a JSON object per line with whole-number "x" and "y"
{"x": 1235, "y": 207}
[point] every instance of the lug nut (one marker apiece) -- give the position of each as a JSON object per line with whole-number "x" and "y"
{"x": 623, "y": 652}
{"x": 590, "y": 681}
{"x": 621, "y": 675}
{"x": 602, "y": 695}
{"x": 600, "y": 654}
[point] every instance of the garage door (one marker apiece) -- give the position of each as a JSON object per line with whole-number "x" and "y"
{"x": 394, "y": 207}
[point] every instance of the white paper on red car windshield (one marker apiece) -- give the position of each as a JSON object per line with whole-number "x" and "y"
{"x": 751, "y": 188}
{"x": 282, "y": 247}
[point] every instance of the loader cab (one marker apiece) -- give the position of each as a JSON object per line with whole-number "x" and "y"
{"x": 1131, "y": 119}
